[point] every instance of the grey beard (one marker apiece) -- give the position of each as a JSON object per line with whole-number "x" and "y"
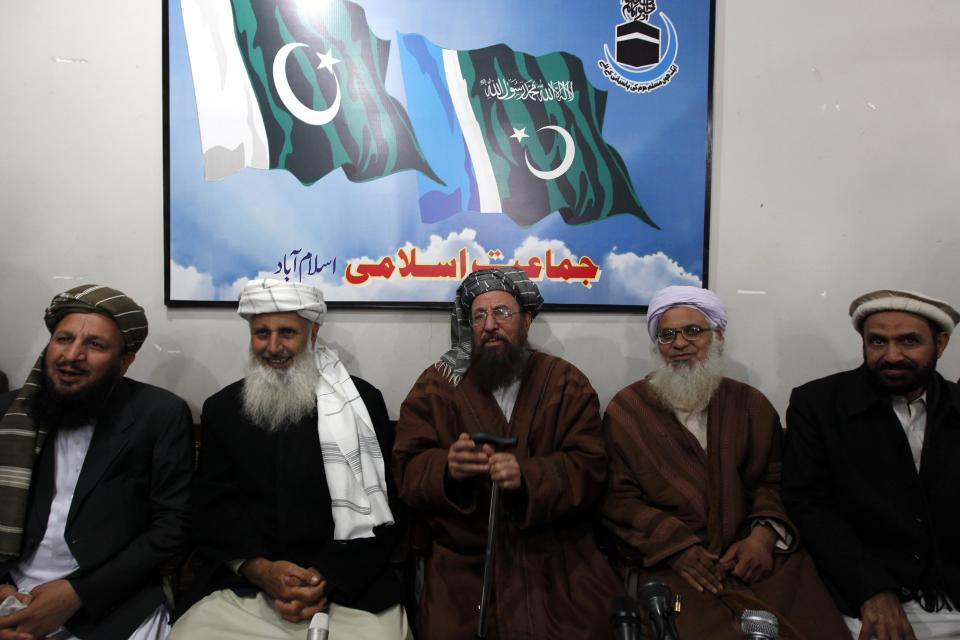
{"x": 273, "y": 399}
{"x": 688, "y": 387}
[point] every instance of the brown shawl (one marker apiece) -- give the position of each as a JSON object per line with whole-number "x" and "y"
{"x": 551, "y": 581}
{"x": 666, "y": 494}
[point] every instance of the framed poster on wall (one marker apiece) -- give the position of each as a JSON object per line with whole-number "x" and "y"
{"x": 383, "y": 149}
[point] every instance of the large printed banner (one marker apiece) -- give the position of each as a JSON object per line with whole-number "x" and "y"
{"x": 384, "y": 149}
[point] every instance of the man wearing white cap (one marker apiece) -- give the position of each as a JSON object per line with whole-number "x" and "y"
{"x": 871, "y": 473}
{"x": 292, "y": 511}
{"x": 694, "y": 483}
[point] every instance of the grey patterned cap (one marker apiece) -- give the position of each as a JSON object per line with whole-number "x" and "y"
{"x": 454, "y": 363}
{"x": 96, "y": 298}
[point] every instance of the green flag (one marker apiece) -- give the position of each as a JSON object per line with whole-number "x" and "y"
{"x": 513, "y": 133}
{"x": 314, "y": 73}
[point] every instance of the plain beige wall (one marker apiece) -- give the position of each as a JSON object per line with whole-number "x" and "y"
{"x": 835, "y": 171}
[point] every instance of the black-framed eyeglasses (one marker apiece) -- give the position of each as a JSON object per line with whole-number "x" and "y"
{"x": 500, "y": 315}
{"x": 691, "y": 332}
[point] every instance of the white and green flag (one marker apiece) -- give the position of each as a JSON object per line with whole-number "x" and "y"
{"x": 509, "y": 132}
{"x": 299, "y": 86}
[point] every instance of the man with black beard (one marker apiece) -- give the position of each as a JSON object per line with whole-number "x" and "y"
{"x": 871, "y": 473}
{"x": 94, "y": 480}
{"x": 694, "y": 483}
{"x": 292, "y": 514}
{"x": 550, "y": 580}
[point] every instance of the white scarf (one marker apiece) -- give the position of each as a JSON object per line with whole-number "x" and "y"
{"x": 352, "y": 460}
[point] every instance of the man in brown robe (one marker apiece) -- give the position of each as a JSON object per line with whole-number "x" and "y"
{"x": 695, "y": 484}
{"x": 550, "y": 579}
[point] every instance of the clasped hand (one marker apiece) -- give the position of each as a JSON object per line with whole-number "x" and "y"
{"x": 884, "y": 619}
{"x": 297, "y": 593}
{"x": 465, "y": 460}
{"x": 49, "y": 606}
{"x": 749, "y": 559}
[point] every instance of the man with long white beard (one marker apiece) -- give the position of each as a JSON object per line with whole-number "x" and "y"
{"x": 694, "y": 485}
{"x": 292, "y": 512}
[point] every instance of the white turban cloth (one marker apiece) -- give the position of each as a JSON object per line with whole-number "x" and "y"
{"x": 352, "y": 459}
{"x": 703, "y": 300}
{"x": 277, "y": 296}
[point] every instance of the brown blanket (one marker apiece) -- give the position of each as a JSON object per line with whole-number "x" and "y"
{"x": 666, "y": 494}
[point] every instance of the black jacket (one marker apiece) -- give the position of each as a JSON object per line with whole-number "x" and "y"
{"x": 850, "y": 485}
{"x": 130, "y": 509}
{"x": 260, "y": 494}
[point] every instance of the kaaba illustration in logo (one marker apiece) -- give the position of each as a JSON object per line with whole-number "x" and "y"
{"x": 638, "y": 41}
{"x": 645, "y": 56}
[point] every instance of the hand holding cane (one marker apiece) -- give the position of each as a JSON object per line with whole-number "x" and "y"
{"x": 499, "y": 444}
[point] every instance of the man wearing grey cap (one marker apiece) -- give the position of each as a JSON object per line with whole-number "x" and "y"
{"x": 548, "y": 577}
{"x": 94, "y": 480}
{"x": 871, "y": 473}
{"x": 292, "y": 514}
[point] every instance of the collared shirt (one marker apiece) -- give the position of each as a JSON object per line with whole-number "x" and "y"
{"x": 913, "y": 419}
{"x": 53, "y": 559}
{"x": 696, "y": 423}
{"x": 506, "y": 397}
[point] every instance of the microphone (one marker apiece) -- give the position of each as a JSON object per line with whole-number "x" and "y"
{"x": 656, "y": 598}
{"x": 759, "y": 625}
{"x": 625, "y": 618}
{"x": 319, "y": 626}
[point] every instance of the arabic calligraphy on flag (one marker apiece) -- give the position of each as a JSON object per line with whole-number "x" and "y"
{"x": 295, "y": 86}
{"x": 496, "y": 153}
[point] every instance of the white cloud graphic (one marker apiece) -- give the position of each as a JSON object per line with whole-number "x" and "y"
{"x": 232, "y": 291}
{"x": 641, "y": 276}
{"x": 186, "y": 283}
{"x": 534, "y": 246}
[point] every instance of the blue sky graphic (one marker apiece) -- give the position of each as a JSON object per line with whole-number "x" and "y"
{"x": 245, "y": 223}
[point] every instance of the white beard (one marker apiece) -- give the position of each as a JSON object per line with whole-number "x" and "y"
{"x": 688, "y": 387}
{"x": 276, "y": 398}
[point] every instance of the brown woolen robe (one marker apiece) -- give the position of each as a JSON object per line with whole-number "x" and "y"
{"x": 551, "y": 581}
{"x": 666, "y": 494}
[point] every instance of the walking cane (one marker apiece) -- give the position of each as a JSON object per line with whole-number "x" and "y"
{"x": 499, "y": 444}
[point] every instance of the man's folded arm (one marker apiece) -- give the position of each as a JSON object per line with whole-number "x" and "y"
{"x": 420, "y": 461}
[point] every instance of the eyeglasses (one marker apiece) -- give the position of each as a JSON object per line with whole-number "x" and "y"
{"x": 500, "y": 315}
{"x": 690, "y": 332}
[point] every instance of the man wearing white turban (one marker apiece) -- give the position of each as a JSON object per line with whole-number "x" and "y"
{"x": 694, "y": 483}
{"x": 292, "y": 512}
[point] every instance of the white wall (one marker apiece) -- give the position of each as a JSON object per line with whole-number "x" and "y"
{"x": 836, "y": 163}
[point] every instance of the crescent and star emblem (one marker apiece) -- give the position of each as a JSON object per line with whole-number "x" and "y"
{"x": 296, "y": 108}
{"x": 569, "y": 153}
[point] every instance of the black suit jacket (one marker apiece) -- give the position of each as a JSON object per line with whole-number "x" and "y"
{"x": 871, "y": 521}
{"x": 130, "y": 509}
{"x": 261, "y": 494}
